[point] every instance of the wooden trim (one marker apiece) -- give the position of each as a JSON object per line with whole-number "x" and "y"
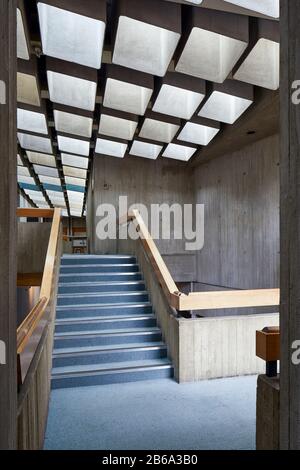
{"x": 29, "y": 279}
{"x": 51, "y": 255}
{"x": 31, "y": 212}
{"x": 29, "y": 324}
{"x": 163, "y": 274}
{"x": 226, "y": 299}
{"x": 268, "y": 344}
{"x": 196, "y": 300}
{"x": 27, "y": 327}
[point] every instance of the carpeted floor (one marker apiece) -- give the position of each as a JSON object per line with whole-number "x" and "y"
{"x": 216, "y": 414}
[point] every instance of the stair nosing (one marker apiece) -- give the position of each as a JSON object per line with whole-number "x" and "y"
{"x": 110, "y": 305}
{"x": 102, "y": 294}
{"x": 74, "y": 374}
{"x": 57, "y": 354}
{"x": 67, "y": 321}
{"x": 68, "y": 335}
{"x": 100, "y": 283}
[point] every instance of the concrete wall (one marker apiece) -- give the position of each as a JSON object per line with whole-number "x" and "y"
{"x": 211, "y": 348}
{"x": 33, "y": 239}
{"x": 267, "y": 413}
{"x": 142, "y": 181}
{"x": 241, "y": 196}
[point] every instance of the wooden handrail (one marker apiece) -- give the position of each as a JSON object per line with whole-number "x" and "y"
{"x": 163, "y": 274}
{"x": 27, "y": 327}
{"x": 268, "y": 348}
{"x": 35, "y": 213}
{"x": 196, "y": 300}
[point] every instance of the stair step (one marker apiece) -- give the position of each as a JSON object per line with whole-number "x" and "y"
{"x": 98, "y": 277}
{"x": 111, "y": 373}
{"x": 109, "y": 337}
{"x": 106, "y": 323}
{"x": 90, "y": 311}
{"x": 99, "y": 268}
{"x": 97, "y": 287}
{"x": 72, "y": 260}
{"x": 103, "y": 297}
{"x": 118, "y": 353}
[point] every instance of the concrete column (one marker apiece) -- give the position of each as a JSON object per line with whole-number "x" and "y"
{"x": 8, "y": 202}
{"x": 290, "y": 226}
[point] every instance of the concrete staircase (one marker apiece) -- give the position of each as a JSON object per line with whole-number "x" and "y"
{"x": 105, "y": 329}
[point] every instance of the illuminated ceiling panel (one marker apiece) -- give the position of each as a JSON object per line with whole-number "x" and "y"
{"x": 75, "y": 181}
{"x": 266, "y": 7}
{"x": 71, "y": 123}
{"x": 127, "y": 91}
{"x": 179, "y": 95}
{"x": 69, "y": 35}
{"x": 199, "y": 131}
{"x": 144, "y": 149}
{"x": 76, "y": 172}
{"x": 260, "y": 65}
{"x": 117, "y": 124}
{"x": 67, "y": 144}
{"x": 145, "y": 40}
{"x": 227, "y": 102}
{"x": 216, "y": 41}
{"x": 34, "y": 142}
{"x": 45, "y": 170}
{"x": 179, "y": 152}
{"x": 111, "y": 147}
{"x": 41, "y": 158}
{"x": 159, "y": 127}
{"x": 49, "y": 180}
{"x": 22, "y": 41}
{"x": 27, "y": 83}
{"x": 32, "y": 121}
{"x": 74, "y": 160}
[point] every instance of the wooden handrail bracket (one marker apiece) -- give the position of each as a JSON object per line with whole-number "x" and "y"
{"x": 35, "y": 213}
{"x": 268, "y": 344}
{"x": 196, "y": 300}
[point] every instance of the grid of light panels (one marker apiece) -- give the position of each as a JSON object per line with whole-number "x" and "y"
{"x": 161, "y": 91}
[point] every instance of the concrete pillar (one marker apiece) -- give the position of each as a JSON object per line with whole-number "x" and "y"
{"x": 290, "y": 226}
{"x": 8, "y": 202}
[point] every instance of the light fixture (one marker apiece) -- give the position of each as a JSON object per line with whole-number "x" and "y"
{"x": 74, "y": 160}
{"x": 28, "y": 91}
{"x": 147, "y": 34}
{"x": 73, "y": 121}
{"x": 178, "y": 151}
{"x": 159, "y": 127}
{"x": 29, "y": 119}
{"x": 71, "y": 84}
{"x": 23, "y": 44}
{"x": 46, "y": 171}
{"x": 76, "y": 172}
{"x": 41, "y": 158}
{"x": 26, "y": 179}
{"x": 114, "y": 148}
{"x": 78, "y": 146}
{"x": 215, "y": 42}
{"x": 178, "y": 95}
{"x": 199, "y": 131}
{"x": 145, "y": 148}
{"x": 117, "y": 124}
{"x": 266, "y": 7}
{"x": 23, "y": 171}
{"x": 75, "y": 197}
{"x": 49, "y": 180}
{"x": 260, "y": 63}
{"x": 227, "y": 102}
{"x": 19, "y": 161}
{"x": 127, "y": 91}
{"x": 73, "y": 31}
{"x": 75, "y": 181}
{"x": 35, "y": 142}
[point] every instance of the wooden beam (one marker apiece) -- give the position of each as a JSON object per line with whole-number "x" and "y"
{"x": 226, "y": 299}
{"x": 289, "y": 227}
{"x": 32, "y": 212}
{"x": 29, "y": 279}
{"x": 8, "y": 224}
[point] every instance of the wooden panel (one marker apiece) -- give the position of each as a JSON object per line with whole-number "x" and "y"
{"x": 290, "y": 228}
{"x": 33, "y": 239}
{"x": 38, "y": 213}
{"x": 8, "y": 229}
{"x": 268, "y": 344}
{"x": 29, "y": 279}
{"x": 226, "y": 299}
